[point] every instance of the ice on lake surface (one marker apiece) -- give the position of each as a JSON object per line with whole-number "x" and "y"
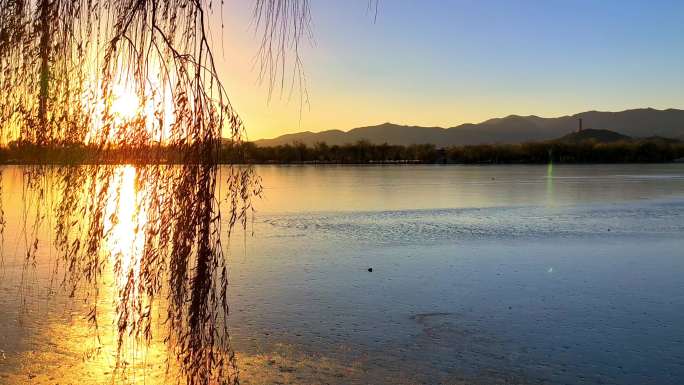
{"x": 480, "y": 274}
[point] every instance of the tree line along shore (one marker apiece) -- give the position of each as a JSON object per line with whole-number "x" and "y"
{"x": 643, "y": 151}
{"x": 650, "y": 151}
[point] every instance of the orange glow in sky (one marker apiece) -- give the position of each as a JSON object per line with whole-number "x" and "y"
{"x": 437, "y": 63}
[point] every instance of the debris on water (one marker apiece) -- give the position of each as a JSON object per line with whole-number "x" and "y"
{"x": 370, "y": 269}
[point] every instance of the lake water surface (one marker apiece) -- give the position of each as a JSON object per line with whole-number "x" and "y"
{"x": 480, "y": 274}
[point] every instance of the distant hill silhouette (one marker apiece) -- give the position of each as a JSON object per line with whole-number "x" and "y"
{"x": 637, "y": 123}
{"x": 598, "y": 136}
{"x": 661, "y": 140}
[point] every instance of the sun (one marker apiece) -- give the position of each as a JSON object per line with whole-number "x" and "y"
{"x": 122, "y": 110}
{"x": 125, "y": 103}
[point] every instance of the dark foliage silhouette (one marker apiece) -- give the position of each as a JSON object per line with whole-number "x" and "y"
{"x": 644, "y": 151}
{"x": 132, "y": 79}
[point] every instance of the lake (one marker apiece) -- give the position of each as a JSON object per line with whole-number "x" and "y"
{"x": 555, "y": 274}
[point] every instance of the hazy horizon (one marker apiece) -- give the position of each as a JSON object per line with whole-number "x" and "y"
{"x": 466, "y": 123}
{"x": 437, "y": 63}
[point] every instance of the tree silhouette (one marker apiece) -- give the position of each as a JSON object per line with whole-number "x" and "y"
{"x": 62, "y": 61}
{"x": 64, "y": 65}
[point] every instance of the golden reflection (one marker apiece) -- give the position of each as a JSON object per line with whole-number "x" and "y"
{"x": 79, "y": 352}
{"x": 124, "y": 225}
{"x": 139, "y": 248}
{"x": 134, "y": 359}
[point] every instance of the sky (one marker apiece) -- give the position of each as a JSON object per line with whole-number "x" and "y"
{"x": 447, "y": 62}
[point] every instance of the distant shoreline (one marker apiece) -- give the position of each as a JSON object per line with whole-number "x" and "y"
{"x": 572, "y": 150}
{"x": 559, "y": 152}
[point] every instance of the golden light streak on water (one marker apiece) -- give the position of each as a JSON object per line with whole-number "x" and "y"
{"x": 124, "y": 224}
{"x": 80, "y": 353}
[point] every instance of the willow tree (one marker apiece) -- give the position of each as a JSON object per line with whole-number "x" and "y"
{"x": 42, "y": 68}
{"x": 63, "y": 67}
{"x": 62, "y": 61}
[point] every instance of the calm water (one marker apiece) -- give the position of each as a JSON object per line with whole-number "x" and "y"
{"x": 495, "y": 274}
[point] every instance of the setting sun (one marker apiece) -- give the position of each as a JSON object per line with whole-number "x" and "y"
{"x": 127, "y": 113}
{"x": 125, "y": 103}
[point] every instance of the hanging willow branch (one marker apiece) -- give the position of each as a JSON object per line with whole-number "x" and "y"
{"x": 42, "y": 68}
{"x": 62, "y": 62}
{"x": 64, "y": 66}
{"x": 282, "y": 24}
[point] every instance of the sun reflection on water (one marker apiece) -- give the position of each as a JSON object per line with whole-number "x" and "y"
{"x": 124, "y": 224}
{"x": 138, "y": 360}
{"x": 79, "y": 352}
{"x": 138, "y": 252}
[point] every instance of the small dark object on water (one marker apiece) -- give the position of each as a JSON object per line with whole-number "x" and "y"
{"x": 370, "y": 269}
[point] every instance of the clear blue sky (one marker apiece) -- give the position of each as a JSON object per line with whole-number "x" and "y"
{"x": 445, "y": 62}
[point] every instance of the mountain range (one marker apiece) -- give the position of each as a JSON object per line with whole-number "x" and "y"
{"x": 635, "y": 123}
